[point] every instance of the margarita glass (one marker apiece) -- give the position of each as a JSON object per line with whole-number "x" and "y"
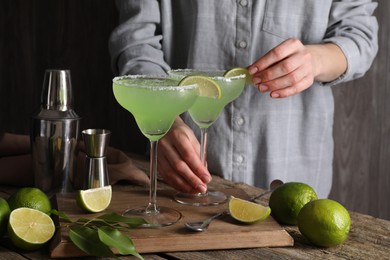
{"x": 204, "y": 113}
{"x": 155, "y": 103}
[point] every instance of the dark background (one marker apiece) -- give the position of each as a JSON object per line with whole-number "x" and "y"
{"x": 73, "y": 34}
{"x": 59, "y": 34}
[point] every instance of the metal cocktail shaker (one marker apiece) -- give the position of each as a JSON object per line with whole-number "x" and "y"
{"x": 54, "y": 134}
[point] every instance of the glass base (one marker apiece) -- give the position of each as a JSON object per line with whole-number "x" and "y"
{"x": 201, "y": 199}
{"x": 163, "y": 217}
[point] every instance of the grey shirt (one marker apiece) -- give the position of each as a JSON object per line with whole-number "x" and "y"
{"x": 256, "y": 138}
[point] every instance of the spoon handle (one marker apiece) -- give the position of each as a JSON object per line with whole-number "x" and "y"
{"x": 220, "y": 214}
{"x": 252, "y": 199}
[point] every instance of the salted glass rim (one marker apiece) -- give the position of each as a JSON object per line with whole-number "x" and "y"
{"x": 222, "y": 78}
{"x": 158, "y": 77}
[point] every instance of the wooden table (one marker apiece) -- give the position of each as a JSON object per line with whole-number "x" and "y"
{"x": 369, "y": 238}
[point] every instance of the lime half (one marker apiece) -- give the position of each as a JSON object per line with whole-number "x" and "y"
{"x": 207, "y": 86}
{"x": 246, "y": 211}
{"x": 238, "y": 71}
{"x": 95, "y": 200}
{"x": 29, "y": 229}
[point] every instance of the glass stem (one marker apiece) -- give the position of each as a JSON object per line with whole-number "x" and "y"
{"x": 152, "y": 206}
{"x": 203, "y": 145}
{"x": 203, "y": 148}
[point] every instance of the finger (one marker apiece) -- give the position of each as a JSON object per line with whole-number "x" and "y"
{"x": 181, "y": 167}
{"x": 172, "y": 178}
{"x": 275, "y": 55}
{"x": 285, "y": 81}
{"x": 177, "y": 181}
{"x": 187, "y": 147}
{"x": 294, "y": 89}
{"x": 179, "y": 162}
{"x": 283, "y": 68}
{"x": 192, "y": 159}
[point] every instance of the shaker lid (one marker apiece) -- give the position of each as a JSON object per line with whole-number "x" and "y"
{"x": 57, "y": 90}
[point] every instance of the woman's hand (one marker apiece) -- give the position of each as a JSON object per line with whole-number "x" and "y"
{"x": 178, "y": 160}
{"x": 292, "y": 67}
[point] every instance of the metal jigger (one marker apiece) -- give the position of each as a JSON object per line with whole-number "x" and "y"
{"x": 96, "y": 142}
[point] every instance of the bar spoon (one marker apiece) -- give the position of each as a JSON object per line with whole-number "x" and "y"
{"x": 203, "y": 225}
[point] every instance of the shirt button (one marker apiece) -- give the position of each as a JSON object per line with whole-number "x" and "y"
{"x": 240, "y": 121}
{"x": 239, "y": 158}
{"x": 242, "y": 44}
{"x": 243, "y": 3}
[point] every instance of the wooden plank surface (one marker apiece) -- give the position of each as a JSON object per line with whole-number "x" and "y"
{"x": 224, "y": 233}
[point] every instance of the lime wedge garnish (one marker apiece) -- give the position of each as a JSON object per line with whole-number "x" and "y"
{"x": 239, "y": 71}
{"x": 96, "y": 199}
{"x": 29, "y": 229}
{"x": 207, "y": 86}
{"x": 246, "y": 211}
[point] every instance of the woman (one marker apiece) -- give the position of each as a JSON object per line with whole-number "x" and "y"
{"x": 295, "y": 51}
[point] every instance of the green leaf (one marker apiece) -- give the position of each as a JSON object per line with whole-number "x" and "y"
{"x": 60, "y": 214}
{"x": 130, "y": 221}
{"x": 83, "y": 220}
{"x": 114, "y": 238}
{"x": 87, "y": 239}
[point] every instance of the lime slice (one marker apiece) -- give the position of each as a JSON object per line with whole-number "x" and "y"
{"x": 95, "y": 200}
{"x": 239, "y": 71}
{"x": 246, "y": 211}
{"x": 29, "y": 229}
{"x": 207, "y": 86}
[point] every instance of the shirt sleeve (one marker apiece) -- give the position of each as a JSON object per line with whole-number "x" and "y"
{"x": 354, "y": 28}
{"x": 135, "y": 45}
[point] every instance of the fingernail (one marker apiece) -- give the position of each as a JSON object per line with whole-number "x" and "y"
{"x": 206, "y": 178}
{"x": 256, "y": 81}
{"x": 201, "y": 188}
{"x": 263, "y": 88}
{"x": 253, "y": 70}
{"x": 274, "y": 95}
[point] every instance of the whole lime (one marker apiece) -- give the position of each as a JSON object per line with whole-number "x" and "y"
{"x": 30, "y": 197}
{"x": 4, "y": 215}
{"x": 287, "y": 200}
{"x": 324, "y": 222}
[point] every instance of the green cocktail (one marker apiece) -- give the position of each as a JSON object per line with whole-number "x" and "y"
{"x": 154, "y": 103}
{"x": 206, "y": 110}
{"x": 204, "y": 113}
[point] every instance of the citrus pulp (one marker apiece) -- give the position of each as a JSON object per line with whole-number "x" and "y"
{"x": 29, "y": 229}
{"x": 239, "y": 71}
{"x": 95, "y": 200}
{"x": 207, "y": 86}
{"x": 246, "y": 211}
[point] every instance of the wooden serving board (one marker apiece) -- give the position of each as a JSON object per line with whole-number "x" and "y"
{"x": 224, "y": 233}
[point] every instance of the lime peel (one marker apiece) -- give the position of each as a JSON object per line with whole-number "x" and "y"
{"x": 246, "y": 211}
{"x": 30, "y": 197}
{"x": 324, "y": 222}
{"x": 207, "y": 86}
{"x": 95, "y": 199}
